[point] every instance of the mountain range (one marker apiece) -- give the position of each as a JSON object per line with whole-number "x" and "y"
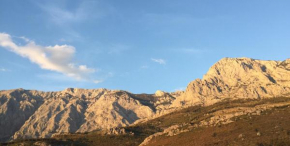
{"x": 29, "y": 114}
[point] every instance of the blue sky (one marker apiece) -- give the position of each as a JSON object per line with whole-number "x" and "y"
{"x": 135, "y": 45}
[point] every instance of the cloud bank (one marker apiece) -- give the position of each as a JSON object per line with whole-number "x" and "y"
{"x": 58, "y": 58}
{"x": 160, "y": 61}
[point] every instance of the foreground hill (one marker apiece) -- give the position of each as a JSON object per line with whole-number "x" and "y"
{"x": 26, "y": 114}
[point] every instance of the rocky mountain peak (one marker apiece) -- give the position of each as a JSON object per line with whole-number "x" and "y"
{"x": 238, "y": 78}
{"x": 239, "y": 68}
{"x": 285, "y": 64}
{"x": 160, "y": 93}
{"x": 287, "y": 60}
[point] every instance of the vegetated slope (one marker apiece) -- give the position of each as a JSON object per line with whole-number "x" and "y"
{"x": 264, "y": 128}
{"x": 262, "y": 122}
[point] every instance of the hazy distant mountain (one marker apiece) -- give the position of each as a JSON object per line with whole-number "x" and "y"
{"x": 36, "y": 114}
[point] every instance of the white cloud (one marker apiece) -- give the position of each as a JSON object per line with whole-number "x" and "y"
{"x": 57, "y": 58}
{"x": 160, "y": 61}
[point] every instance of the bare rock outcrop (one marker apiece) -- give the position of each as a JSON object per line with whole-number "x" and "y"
{"x": 238, "y": 78}
{"x": 34, "y": 114}
{"x": 16, "y": 106}
{"x": 114, "y": 109}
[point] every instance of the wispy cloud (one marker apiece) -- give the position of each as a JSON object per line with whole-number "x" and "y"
{"x": 160, "y": 61}
{"x": 54, "y": 76}
{"x": 103, "y": 77}
{"x": 67, "y": 19}
{"x": 179, "y": 19}
{"x": 144, "y": 67}
{"x": 4, "y": 69}
{"x": 117, "y": 49}
{"x": 57, "y": 58}
{"x": 60, "y": 15}
{"x": 98, "y": 81}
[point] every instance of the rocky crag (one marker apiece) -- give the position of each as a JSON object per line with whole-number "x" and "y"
{"x": 36, "y": 114}
{"x": 238, "y": 78}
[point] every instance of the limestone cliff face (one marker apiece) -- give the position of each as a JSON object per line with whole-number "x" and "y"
{"x": 36, "y": 114}
{"x": 16, "y": 106}
{"x": 238, "y": 78}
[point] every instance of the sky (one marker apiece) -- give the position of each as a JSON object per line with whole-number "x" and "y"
{"x": 136, "y": 45}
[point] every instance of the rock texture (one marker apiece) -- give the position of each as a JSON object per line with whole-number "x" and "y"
{"x": 15, "y": 108}
{"x": 36, "y": 114}
{"x": 238, "y": 78}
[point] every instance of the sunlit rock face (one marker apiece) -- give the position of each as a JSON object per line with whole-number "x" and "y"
{"x": 36, "y": 114}
{"x": 238, "y": 78}
{"x": 16, "y": 106}
{"x": 32, "y": 114}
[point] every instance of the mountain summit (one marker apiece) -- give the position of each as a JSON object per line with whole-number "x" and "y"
{"x": 238, "y": 78}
